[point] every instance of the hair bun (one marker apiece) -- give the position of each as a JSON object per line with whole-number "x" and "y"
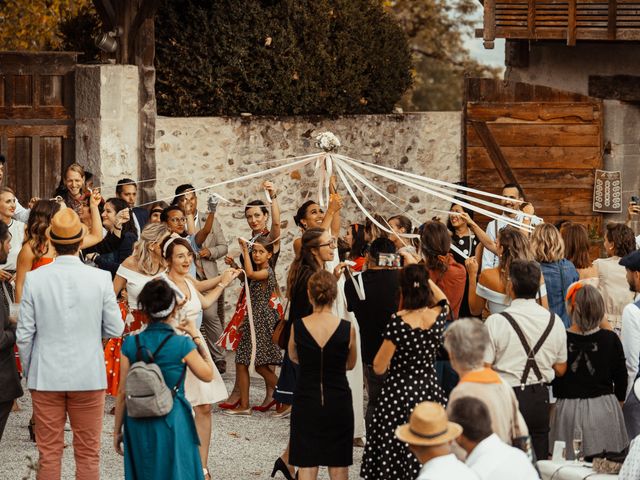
{"x": 323, "y": 288}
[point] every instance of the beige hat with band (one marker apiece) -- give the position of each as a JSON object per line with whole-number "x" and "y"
{"x": 66, "y": 227}
{"x": 428, "y": 425}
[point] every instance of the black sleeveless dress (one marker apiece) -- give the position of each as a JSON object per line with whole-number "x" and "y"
{"x": 322, "y": 411}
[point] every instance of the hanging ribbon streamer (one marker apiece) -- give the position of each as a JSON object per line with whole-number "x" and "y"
{"x": 453, "y": 196}
{"x": 449, "y": 198}
{"x": 281, "y": 169}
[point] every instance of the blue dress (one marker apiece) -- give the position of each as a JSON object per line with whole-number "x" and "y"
{"x": 162, "y": 447}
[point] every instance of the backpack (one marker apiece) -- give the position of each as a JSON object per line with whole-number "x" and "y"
{"x": 146, "y": 393}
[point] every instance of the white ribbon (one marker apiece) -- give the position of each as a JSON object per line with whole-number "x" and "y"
{"x": 450, "y": 198}
{"x": 270, "y": 171}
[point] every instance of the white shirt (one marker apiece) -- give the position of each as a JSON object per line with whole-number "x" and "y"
{"x": 16, "y": 229}
{"x": 505, "y": 351}
{"x": 447, "y": 467}
{"x": 489, "y": 259}
{"x": 630, "y": 337}
{"x": 492, "y": 459}
{"x": 21, "y": 214}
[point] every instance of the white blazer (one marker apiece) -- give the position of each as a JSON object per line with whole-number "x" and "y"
{"x": 66, "y": 309}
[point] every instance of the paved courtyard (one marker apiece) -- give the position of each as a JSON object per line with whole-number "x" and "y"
{"x": 241, "y": 448}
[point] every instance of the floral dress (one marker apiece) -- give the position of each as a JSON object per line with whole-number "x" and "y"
{"x": 265, "y": 317}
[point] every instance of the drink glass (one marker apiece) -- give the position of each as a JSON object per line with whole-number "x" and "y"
{"x": 577, "y": 448}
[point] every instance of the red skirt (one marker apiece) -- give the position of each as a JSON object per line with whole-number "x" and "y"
{"x": 113, "y": 348}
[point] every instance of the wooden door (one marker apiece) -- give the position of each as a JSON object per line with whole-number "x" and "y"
{"x": 547, "y": 141}
{"x": 36, "y": 120}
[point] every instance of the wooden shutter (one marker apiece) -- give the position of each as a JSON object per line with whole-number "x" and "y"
{"x": 37, "y": 97}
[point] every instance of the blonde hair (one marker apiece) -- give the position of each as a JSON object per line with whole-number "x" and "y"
{"x": 152, "y": 232}
{"x": 547, "y": 244}
{"x": 74, "y": 167}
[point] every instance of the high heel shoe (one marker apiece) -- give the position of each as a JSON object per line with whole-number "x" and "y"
{"x": 229, "y": 406}
{"x": 267, "y": 407}
{"x": 281, "y": 467}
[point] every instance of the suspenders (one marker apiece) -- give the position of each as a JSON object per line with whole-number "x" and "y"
{"x": 531, "y": 352}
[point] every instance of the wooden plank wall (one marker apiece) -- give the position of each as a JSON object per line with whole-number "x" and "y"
{"x": 548, "y": 141}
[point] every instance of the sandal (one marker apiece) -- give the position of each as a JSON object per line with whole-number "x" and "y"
{"x": 206, "y": 473}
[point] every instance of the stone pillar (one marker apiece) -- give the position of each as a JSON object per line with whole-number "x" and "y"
{"x": 107, "y": 127}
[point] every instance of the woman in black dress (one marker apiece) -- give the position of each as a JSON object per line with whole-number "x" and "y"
{"x": 408, "y": 352}
{"x": 322, "y": 415}
{"x": 317, "y": 247}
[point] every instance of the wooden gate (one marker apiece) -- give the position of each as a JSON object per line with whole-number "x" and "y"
{"x": 36, "y": 120}
{"x": 548, "y": 141}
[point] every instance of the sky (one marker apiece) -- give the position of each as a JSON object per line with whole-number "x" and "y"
{"x": 493, "y": 57}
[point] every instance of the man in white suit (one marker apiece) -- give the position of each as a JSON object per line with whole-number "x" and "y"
{"x": 67, "y": 308}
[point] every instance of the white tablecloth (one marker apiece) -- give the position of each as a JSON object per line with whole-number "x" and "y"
{"x": 569, "y": 471}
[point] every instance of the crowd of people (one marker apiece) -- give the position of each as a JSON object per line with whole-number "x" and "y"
{"x": 478, "y": 348}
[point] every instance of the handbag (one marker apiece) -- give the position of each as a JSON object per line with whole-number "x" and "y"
{"x": 279, "y": 336}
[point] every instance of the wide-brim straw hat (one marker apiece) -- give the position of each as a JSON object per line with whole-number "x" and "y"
{"x": 428, "y": 425}
{"x": 66, "y": 227}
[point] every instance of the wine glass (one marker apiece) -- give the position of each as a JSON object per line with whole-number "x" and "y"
{"x": 577, "y": 447}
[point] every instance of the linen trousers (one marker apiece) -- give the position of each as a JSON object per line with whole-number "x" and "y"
{"x": 85, "y": 410}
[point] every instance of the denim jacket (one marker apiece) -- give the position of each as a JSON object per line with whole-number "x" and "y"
{"x": 558, "y": 276}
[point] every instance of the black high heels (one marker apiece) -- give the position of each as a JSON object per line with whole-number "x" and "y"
{"x": 280, "y": 466}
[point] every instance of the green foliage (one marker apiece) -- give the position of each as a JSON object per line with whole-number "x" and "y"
{"x": 278, "y": 57}
{"x": 436, "y": 30}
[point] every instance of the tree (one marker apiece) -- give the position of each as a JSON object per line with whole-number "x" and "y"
{"x": 33, "y": 24}
{"x": 282, "y": 57}
{"x": 436, "y": 31}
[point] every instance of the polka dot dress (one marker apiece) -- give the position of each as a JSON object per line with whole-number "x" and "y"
{"x": 411, "y": 380}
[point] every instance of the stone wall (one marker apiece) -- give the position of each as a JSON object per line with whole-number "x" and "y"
{"x": 203, "y": 151}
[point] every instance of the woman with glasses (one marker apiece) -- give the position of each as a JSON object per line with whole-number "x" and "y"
{"x": 317, "y": 247}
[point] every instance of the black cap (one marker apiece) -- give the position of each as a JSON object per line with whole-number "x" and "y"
{"x": 631, "y": 261}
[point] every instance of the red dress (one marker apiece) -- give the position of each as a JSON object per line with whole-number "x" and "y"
{"x": 112, "y": 350}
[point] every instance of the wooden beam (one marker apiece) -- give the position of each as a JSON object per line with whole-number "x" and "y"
{"x": 571, "y": 24}
{"x": 625, "y": 88}
{"x": 531, "y": 19}
{"x": 493, "y": 149}
{"x": 489, "y": 33}
{"x": 613, "y": 19}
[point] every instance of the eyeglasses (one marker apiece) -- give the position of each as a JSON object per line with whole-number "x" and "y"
{"x": 333, "y": 243}
{"x": 177, "y": 220}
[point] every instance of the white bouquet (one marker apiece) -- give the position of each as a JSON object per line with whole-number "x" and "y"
{"x": 327, "y": 141}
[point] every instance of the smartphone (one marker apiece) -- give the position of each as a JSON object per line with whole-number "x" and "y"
{"x": 390, "y": 260}
{"x": 635, "y": 200}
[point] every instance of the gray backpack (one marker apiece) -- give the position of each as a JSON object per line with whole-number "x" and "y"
{"x": 146, "y": 393}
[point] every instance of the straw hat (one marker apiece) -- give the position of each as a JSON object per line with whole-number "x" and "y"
{"x": 66, "y": 227}
{"x": 428, "y": 425}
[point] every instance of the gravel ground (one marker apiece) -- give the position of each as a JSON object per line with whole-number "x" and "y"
{"x": 241, "y": 448}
